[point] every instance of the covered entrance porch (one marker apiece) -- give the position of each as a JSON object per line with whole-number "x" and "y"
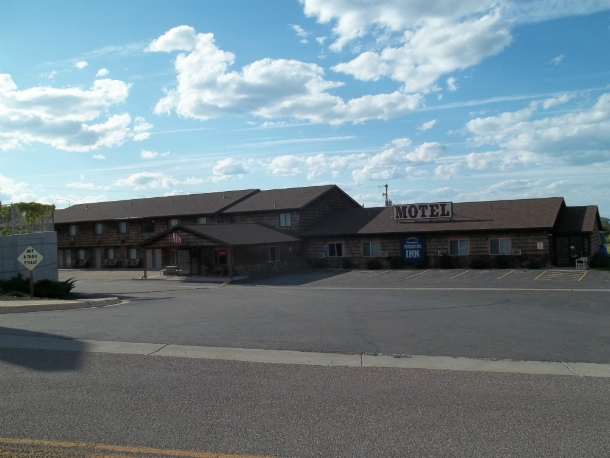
{"x": 223, "y": 250}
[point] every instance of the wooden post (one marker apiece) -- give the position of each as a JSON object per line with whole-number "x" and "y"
{"x": 31, "y": 283}
{"x": 144, "y": 261}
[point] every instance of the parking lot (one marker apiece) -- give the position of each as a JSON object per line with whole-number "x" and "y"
{"x": 442, "y": 279}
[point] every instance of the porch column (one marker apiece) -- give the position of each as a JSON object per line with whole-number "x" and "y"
{"x": 144, "y": 261}
{"x": 230, "y": 250}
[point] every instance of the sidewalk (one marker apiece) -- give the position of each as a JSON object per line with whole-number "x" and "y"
{"x": 54, "y": 304}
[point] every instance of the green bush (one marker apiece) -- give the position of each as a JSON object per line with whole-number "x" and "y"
{"x": 373, "y": 264}
{"x": 319, "y": 263}
{"x": 347, "y": 263}
{"x": 444, "y": 262}
{"x": 54, "y": 289}
{"x": 18, "y": 283}
{"x": 42, "y": 288}
{"x": 600, "y": 260}
{"x": 1, "y": 292}
{"x": 480, "y": 263}
{"x": 395, "y": 262}
{"x": 503, "y": 262}
{"x": 17, "y": 294}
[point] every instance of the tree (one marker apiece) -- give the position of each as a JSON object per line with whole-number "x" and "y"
{"x": 25, "y": 215}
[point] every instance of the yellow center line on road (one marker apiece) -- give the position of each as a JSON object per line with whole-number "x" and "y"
{"x": 417, "y": 274}
{"x": 505, "y": 275}
{"x": 119, "y": 449}
{"x": 459, "y": 275}
{"x": 384, "y": 272}
{"x": 541, "y": 275}
{"x": 583, "y": 275}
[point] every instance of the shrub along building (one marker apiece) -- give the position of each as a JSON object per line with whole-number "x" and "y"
{"x": 253, "y": 232}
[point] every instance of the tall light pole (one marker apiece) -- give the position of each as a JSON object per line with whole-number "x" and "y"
{"x": 69, "y": 204}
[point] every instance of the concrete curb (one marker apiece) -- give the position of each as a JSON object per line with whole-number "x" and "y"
{"x": 364, "y": 361}
{"x": 45, "y": 306}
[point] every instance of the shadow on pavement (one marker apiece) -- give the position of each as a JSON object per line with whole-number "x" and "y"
{"x": 38, "y": 359}
{"x": 291, "y": 279}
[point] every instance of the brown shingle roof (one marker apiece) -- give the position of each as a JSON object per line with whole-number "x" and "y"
{"x": 280, "y": 199}
{"x": 232, "y": 234}
{"x": 576, "y": 219}
{"x": 467, "y": 216}
{"x": 192, "y": 204}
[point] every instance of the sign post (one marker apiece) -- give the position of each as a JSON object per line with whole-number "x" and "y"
{"x": 30, "y": 258}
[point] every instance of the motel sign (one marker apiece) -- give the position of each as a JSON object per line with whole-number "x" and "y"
{"x": 423, "y": 211}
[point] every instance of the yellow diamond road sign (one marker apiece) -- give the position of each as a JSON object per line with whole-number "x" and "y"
{"x": 30, "y": 258}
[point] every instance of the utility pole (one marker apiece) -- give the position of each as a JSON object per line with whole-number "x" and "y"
{"x": 385, "y": 194}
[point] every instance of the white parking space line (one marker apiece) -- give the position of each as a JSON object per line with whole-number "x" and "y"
{"x": 459, "y": 275}
{"x": 379, "y": 273}
{"x": 506, "y": 274}
{"x": 559, "y": 275}
{"x": 421, "y": 273}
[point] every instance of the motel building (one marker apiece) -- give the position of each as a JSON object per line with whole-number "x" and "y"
{"x": 254, "y": 232}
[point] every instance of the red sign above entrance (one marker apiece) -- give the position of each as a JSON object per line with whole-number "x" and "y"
{"x": 423, "y": 211}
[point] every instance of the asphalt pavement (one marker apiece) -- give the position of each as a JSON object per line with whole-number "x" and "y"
{"x": 229, "y": 407}
{"x": 521, "y": 324}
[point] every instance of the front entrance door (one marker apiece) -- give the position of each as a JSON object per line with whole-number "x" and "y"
{"x": 569, "y": 249}
{"x": 184, "y": 262}
{"x": 195, "y": 262}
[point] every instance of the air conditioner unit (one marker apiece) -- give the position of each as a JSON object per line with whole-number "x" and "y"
{"x": 516, "y": 252}
{"x": 442, "y": 253}
{"x": 383, "y": 254}
{"x": 321, "y": 255}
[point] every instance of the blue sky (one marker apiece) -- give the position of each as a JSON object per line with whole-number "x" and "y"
{"x": 441, "y": 100}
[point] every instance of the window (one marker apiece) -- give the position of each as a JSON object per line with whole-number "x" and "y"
{"x": 273, "y": 253}
{"x": 459, "y": 247}
{"x": 122, "y": 227}
{"x": 499, "y": 246}
{"x": 72, "y": 230}
{"x": 285, "y": 220}
{"x": 172, "y": 222}
{"x": 173, "y": 257}
{"x": 335, "y": 250}
{"x": 110, "y": 253}
{"x": 220, "y": 257}
{"x": 370, "y": 249}
{"x": 202, "y": 220}
{"x": 133, "y": 253}
{"x": 99, "y": 228}
{"x": 148, "y": 226}
{"x": 81, "y": 254}
{"x": 235, "y": 219}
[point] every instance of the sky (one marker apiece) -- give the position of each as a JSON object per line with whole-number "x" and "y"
{"x": 440, "y": 100}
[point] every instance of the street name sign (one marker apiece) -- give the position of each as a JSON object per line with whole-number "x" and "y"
{"x": 30, "y": 258}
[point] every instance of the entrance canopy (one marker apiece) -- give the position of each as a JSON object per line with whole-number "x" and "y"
{"x": 202, "y": 235}
{"x": 218, "y": 248}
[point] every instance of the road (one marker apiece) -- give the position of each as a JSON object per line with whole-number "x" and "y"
{"x": 79, "y": 403}
{"x": 299, "y": 411}
{"x": 510, "y": 324}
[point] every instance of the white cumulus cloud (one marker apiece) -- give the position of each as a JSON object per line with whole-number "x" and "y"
{"x": 81, "y": 64}
{"x": 99, "y": 156}
{"x": 427, "y": 125}
{"x": 62, "y": 118}
{"x": 581, "y": 136}
{"x": 270, "y": 88}
{"x": 144, "y": 154}
{"x": 147, "y": 180}
{"x": 102, "y": 72}
{"x": 228, "y": 168}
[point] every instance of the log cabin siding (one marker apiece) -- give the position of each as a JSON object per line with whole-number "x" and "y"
{"x": 332, "y": 200}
